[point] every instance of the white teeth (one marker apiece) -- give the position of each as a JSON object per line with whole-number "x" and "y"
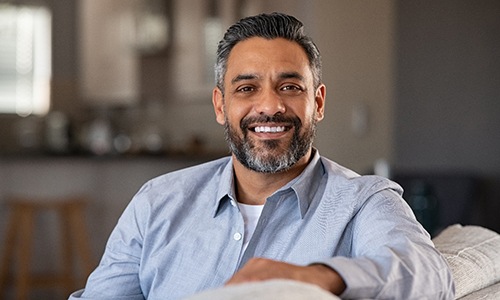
{"x": 269, "y": 129}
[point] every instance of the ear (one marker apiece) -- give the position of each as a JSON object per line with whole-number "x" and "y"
{"x": 319, "y": 98}
{"x": 218, "y": 102}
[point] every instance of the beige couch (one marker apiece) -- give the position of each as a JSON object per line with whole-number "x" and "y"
{"x": 472, "y": 252}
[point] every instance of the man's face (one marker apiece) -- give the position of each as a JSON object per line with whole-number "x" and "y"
{"x": 270, "y": 107}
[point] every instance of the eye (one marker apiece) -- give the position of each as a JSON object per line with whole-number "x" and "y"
{"x": 292, "y": 88}
{"x": 245, "y": 89}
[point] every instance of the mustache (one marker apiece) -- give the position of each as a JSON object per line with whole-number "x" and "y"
{"x": 279, "y": 118}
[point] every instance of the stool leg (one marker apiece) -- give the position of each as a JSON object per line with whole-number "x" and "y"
{"x": 81, "y": 239}
{"x": 66, "y": 251}
{"x": 24, "y": 253}
{"x": 10, "y": 244}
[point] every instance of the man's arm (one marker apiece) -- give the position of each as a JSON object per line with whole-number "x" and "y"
{"x": 392, "y": 257}
{"x": 259, "y": 269}
{"x": 117, "y": 276}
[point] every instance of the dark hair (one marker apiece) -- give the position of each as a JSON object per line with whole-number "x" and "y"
{"x": 268, "y": 26}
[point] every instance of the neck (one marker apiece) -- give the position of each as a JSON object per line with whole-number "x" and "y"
{"x": 254, "y": 187}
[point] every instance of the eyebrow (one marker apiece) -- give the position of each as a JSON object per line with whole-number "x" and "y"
{"x": 242, "y": 77}
{"x": 291, "y": 75}
{"x": 282, "y": 75}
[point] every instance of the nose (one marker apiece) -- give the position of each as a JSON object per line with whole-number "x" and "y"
{"x": 270, "y": 103}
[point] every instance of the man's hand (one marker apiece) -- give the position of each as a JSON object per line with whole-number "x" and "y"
{"x": 260, "y": 269}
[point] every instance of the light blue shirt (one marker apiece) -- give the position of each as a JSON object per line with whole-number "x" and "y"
{"x": 183, "y": 233}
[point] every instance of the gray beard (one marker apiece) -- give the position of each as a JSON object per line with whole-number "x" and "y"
{"x": 261, "y": 159}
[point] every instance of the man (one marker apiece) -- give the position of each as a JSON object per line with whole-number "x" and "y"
{"x": 275, "y": 209}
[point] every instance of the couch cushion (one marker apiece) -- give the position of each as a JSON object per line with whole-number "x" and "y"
{"x": 490, "y": 292}
{"x": 276, "y": 289}
{"x": 472, "y": 252}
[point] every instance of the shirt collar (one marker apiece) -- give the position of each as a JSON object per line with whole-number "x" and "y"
{"x": 225, "y": 189}
{"x": 305, "y": 185}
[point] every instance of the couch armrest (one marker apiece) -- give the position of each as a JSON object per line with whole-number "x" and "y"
{"x": 472, "y": 252}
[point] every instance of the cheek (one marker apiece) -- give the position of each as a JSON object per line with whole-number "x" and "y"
{"x": 234, "y": 115}
{"x": 305, "y": 113}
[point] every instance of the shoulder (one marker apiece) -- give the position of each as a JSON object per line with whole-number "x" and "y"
{"x": 347, "y": 184}
{"x": 187, "y": 183}
{"x": 179, "y": 191}
{"x": 192, "y": 175}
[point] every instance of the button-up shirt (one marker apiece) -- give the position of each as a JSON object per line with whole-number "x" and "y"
{"x": 183, "y": 233}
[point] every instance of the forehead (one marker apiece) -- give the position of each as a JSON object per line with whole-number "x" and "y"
{"x": 260, "y": 55}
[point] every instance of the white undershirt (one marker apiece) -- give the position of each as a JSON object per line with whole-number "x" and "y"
{"x": 251, "y": 215}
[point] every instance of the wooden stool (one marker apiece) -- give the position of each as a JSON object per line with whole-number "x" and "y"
{"x": 19, "y": 245}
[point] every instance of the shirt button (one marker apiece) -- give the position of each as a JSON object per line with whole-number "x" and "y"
{"x": 233, "y": 203}
{"x": 237, "y": 236}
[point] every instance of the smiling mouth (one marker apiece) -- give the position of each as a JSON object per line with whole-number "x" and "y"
{"x": 270, "y": 125}
{"x": 269, "y": 129}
